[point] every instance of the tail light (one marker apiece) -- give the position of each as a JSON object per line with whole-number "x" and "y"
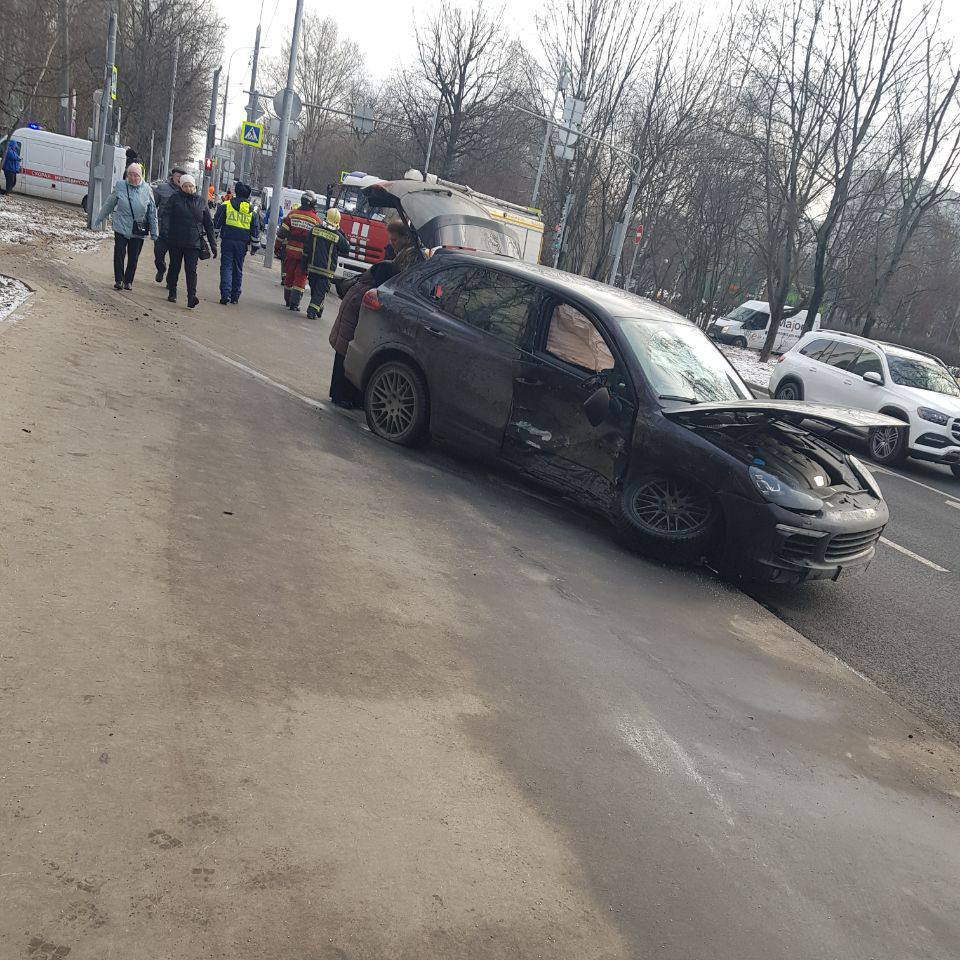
{"x": 781, "y": 358}
{"x": 371, "y": 299}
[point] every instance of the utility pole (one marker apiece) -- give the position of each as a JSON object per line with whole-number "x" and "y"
{"x": 165, "y": 172}
{"x": 211, "y": 131}
{"x": 98, "y": 173}
{"x": 562, "y": 83}
{"x": 284, "y": 136}
{"x": 63, "y": 25}
{"x": 620, "y": 230}
{"x": 246, "y": 153}
{"x": 433, "y": 133}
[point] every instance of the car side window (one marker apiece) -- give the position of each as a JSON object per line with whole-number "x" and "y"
{"x": 494, "y": 302}
{"x": 443, "y": 286}
{"x": 843, "y": 355}
{"x": 867, "y": 362}
{"x": 816, "y": 349}
{"x": 573, "y": 338}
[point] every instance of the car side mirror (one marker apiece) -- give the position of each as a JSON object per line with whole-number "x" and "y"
{"x": 597, "y": 406}
{"x": 871, "y": 376}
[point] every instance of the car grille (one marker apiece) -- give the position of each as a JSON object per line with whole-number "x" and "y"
{"x": 956, "y": 429}
{"x": 846, "y": 545}
{"x": 802, "y": 548}
{"x": 798, "y": 547}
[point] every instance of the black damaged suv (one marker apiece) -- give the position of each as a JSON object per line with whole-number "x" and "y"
{"x": 620, "y": 403}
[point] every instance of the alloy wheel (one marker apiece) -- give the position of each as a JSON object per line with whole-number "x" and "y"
{"x": 883, "y": 442}
{"x": 664, "y": 506}
{"x": 788, "y": 392}
{"x": 393, "y": 402}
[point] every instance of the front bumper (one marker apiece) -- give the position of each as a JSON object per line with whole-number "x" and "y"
{"x": 938, "y": 444}
{"x": 768, "y": 543}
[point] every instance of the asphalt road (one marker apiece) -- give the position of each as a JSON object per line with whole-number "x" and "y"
{"x": 272, "y": 689}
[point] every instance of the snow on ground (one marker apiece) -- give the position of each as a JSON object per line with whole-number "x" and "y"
{"x": 748, "y": 365}
{"x": 24, "y": 220}
{"x": 12, "y": 295}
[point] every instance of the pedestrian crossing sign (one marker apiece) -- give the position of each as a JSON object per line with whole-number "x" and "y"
{"x": 251, "y": 134}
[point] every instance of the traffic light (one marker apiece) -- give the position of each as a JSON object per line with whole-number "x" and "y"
{"x": 208, "y": 164}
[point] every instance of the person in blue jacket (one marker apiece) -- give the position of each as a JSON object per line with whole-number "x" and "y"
{"x": 239, "y": 227}
{"x": 134, "y": 218}
{"x": 11, "y": 166}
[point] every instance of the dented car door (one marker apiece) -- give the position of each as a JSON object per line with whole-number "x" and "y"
{"x": 548, "y": 434}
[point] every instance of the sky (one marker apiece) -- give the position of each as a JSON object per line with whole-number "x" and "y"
{"x": 383, "y": 28}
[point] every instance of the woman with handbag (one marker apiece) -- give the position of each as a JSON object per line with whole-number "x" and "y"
{"x": 134, "y": 217}
{"x": 187, "y": 229}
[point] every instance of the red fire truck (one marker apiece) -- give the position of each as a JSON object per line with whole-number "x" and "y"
{"x": 366, "y": 231}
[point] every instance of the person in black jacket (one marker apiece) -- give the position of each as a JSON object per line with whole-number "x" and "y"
{"x": 323, "y": 250}
{"x": 184, "y": 221}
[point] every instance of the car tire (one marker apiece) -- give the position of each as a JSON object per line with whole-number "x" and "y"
{"x": 955, "y": 467}
{"x": 668, "y": 517}
{"x": 83, "y": 203}
{"x": 740, "y": 342}
{"x": 888, "y": 445}
{"x": 395, "y": 402}
{"x": 789, "y": 390}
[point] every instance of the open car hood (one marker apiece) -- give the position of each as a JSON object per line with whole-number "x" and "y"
{"x": 790, "y": 410}
{"x": 444, "y": 217}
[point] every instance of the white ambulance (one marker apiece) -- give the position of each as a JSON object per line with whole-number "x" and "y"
{"x": 58, "y": 167}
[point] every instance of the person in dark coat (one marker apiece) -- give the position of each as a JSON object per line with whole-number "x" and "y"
{"x": 161, "y": 194}
{"x": 324, "y": 248}
{"x": 342, "y": 392}
{"x": 11, "y": 166}
{"x": 239, "y": 228}
{"x": 185, "y": 222}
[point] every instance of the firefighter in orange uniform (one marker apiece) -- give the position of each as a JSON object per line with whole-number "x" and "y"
{"x": 292, "y": 238}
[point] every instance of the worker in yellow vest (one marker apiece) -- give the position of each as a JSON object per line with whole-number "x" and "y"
{"x": 239, "y": 228}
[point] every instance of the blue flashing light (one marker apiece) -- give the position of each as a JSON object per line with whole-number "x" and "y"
{"x": 34, "y": 126}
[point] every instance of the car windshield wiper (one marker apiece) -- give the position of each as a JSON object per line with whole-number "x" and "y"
{"x": 673, "y": 396}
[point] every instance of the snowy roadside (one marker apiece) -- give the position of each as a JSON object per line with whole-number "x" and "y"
{"x": 27, "y": 221}
{"x": 12, "y": 295}
{"x": 747, "y": 364}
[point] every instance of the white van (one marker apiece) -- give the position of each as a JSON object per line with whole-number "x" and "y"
{"x": 58, "y": 167}
{"x": 747, "y": 327}
{"x": 289, "y": 198}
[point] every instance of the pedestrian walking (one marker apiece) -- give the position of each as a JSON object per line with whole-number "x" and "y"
{"x": 163, "y": 192}
{"x": 292, "y": 237}
{"x": 324, "y": 247}
{"x": 133, "y": 215}
{"x": 187, "y": 227}
{"x": 342, "y": 392}
{"x": 239, "y": 228}
{"x": 11, "y": 166}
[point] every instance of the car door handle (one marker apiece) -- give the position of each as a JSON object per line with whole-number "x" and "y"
{"x": 434, "y": 332}
{"x": 528, "y": 381}
{"x": 847, "y": 382}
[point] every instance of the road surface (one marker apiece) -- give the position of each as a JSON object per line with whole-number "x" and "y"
{"x": 273, "y": 689}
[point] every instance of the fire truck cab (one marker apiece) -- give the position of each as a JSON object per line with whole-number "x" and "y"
{"x": 364, "y": 227}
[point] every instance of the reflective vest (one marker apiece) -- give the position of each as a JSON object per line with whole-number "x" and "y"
{"x": 241, "y": 219}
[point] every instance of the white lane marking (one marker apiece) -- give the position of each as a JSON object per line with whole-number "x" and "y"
{"x": 893, "y": 473}
{"x": 250, "y": 371}
{"x": 952, "y": 503}
{"x": 914, "y": 556}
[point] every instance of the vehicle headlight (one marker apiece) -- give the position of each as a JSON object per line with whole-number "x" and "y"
{"x": 934, "y": 416}
{"x": 776, "y": 491}
{"x": 865, "y": 475}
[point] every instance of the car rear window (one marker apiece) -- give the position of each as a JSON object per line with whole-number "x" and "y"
{"x": 817, "y": 349}
{"x": 843, "y": 355}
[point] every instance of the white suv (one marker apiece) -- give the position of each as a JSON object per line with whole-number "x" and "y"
{"x": 850, "y": 371}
